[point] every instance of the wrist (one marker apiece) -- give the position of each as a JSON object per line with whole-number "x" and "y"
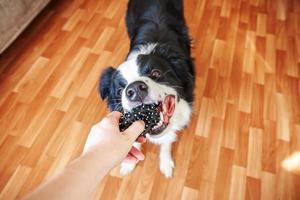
{"x": 99, "y": 157}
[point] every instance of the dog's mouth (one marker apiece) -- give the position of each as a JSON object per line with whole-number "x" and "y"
{"x": 166, "y": 109}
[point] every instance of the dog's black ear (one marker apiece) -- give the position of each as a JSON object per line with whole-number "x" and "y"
{"x": 105, "y": 82}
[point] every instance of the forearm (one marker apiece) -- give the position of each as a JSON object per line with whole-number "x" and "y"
{"x": 105, "y": 148}
{"x": 78, "y": 180}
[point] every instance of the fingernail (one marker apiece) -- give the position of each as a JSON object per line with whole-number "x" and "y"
{"x": 142, "y": 122}
{"x": 143, "y": 140}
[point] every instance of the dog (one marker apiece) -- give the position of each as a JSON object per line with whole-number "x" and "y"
{"x": 158, "y": 69}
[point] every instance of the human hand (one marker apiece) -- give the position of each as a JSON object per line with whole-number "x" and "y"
{"x": 113, "y": 144}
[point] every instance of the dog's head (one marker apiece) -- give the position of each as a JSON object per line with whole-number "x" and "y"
{"x": 149, "y": 77}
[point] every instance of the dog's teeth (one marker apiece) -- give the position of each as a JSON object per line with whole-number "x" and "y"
{"x": 159, "y": 124}
{"x": 164, "y": 108}
{"x": 155, "y": 127}
{"x": 161, "y": 116}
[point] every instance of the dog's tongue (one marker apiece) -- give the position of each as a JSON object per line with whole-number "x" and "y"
{"x": 169, "y": 103}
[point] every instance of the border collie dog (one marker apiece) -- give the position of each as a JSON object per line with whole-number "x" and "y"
{"x": 158, "y": 69}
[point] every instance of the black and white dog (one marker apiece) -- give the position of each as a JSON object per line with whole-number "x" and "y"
{"x": 158, "y": 69}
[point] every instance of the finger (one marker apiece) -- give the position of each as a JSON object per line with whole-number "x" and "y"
{"x": 130, "y": 159}
{"x": 111, "y": 119}
{"x": 137, "y": 153}
{"x": 135, "y": 130}
{"x": 115, "y": 115}
{"x": 141, "y": 139}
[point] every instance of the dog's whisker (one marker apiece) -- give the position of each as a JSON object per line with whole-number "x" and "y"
{"x": 175, "y": 86}
{"x": 117, "y": 99}
{"x": 168, "y": 71}
{"x": 117, "y": 104}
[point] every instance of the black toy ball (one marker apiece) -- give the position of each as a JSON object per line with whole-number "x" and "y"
{"x": 149, "y": 113}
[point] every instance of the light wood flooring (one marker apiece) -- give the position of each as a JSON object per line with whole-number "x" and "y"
{"x": 246, "y": 118}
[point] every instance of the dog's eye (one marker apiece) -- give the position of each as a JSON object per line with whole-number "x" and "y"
{"x": 155, "y": 73}
{"x": 119, "y": 91}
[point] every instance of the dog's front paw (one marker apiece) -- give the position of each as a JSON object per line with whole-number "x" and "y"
{"x": 166, "y": 167}
{"x": 126, "y": 168}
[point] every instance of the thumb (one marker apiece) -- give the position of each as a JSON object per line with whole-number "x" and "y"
{"x": 135, "y": 129}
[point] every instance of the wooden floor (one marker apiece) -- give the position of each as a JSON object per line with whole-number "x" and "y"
{"x": 246, "y": 117}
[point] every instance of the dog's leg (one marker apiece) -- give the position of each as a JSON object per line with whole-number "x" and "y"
{"x": 166, "y": 161}
{"x": 127, "y": 168}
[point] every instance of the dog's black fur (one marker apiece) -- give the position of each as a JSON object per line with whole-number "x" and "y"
{"x": 161, "y": 22}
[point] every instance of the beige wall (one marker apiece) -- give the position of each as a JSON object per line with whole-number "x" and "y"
{"x": 15, "y": 15}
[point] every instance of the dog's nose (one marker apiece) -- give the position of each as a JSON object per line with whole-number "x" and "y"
{"x": 137, "y": 91}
